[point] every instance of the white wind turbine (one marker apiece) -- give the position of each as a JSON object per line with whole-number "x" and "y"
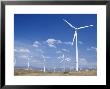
{"x": 54, "y": 69}
{"x": 28, "y": 62}
{"x": 15, "y": 50}
{"x": 71, "y": 67}
{"x": 64, "y": 59}
{"x": 75, "y": 36}
{"x": 14, "y": 62}
{"x": 44, "y": 62}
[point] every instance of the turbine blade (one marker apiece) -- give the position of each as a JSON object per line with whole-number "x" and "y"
{"x": 59, "y": 58}
{"x": 61, "y": 61}
{"x": 74, "y": 37}
{"x": 63, "y": 56}
{"x": 85, "y": 27}
{"x": 67, "y": 59}
{"x": 69, "y": 23}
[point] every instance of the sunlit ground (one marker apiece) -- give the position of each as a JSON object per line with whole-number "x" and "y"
{"x": 23, "y": 72}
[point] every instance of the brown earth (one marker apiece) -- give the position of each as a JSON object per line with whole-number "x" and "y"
{"x": 22, "y": 72}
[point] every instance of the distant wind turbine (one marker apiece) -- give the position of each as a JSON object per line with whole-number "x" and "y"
{"x": 64, "y": 59}
{"x": 75, "y": 36}
{"x": 28, "y": 62}
{"x": 54, "y": 69}
{"x": 14, "y": 62}
{"x": 71, "y": 67}
{"x": 44, "y": 62}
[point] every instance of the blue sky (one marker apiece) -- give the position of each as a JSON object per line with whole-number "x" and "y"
{"x": 49, "y": 35}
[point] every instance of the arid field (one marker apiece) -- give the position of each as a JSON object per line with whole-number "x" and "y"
{"x": 22, "y": 72}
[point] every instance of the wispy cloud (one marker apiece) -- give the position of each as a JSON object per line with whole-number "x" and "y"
{"x": 25, "y": 50}
{"x": 83, "y": 61}
{"x": 59, "y": 41}
{"x": 92, "y": 49}
{"x": 36, "y": 44}
{"x": 51, "y": 45}
{"x": 22, "y": 50}
{"x": 52, "y": 42}
{"x": 65, "y": 50}
{"x": 80, "y": 42}
{"x": 23, "y": 56}
{"x": 40, "y": 50}
{"x": 15, "y": 50}
{"x": 58, "y": 52}
{"x": 67, "y": 43}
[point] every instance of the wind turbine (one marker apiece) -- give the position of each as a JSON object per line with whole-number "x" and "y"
{"x": 71, "y": 67}
{"x": 75, "y": 36}
{"x": 14, "y": 62}
{"x": 28, "y": 62}
{"x": 44, "y": 62}
{"x": 44, "y": 57}
{"x": 15, "y": 50}
{"x": 64, "y": 59}
{"x": 54, "y": 69}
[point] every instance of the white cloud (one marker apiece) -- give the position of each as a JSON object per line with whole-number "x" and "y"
{"x": 40, "y": 50}
{"x": 52, "y": 42}
{"x": 88, "y": 49}
{"x": 58, "y": 52}
{"x": 26, "y": 50}
{"x": 83, "y": 61}
{"x": 68, "y": 43}
{"x": 23, "y": 56}
{"x": 15, "y": 50}
{"x": 34, "y": 61}
{"x": 22, "y": 50}
{"x": 47, "y": 57}
{"x": 50, "y": 45}
{"x": 59, "y": 41}
{"x": 80, "y": 42}
{"x": 36, "y": 44}
{"x": 65, "y": 50}
{"x": 92, "y": 48}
